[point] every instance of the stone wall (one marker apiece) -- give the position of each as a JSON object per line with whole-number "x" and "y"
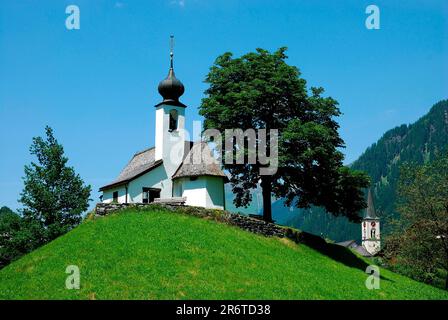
{"x": 256, "y": 225}
{"x": 103, "y": 209}
{"x": 238, "y": 220}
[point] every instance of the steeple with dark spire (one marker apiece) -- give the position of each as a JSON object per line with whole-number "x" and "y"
{"x": 370, "y": 210}
{"x": 370, "y": 228}
{"x": 171, "y": 88}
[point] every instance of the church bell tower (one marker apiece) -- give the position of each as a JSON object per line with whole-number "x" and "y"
{"x": 371, "y": 228}
{"x": 170, "y": 121}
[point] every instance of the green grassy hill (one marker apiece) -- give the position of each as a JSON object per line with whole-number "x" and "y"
{"x": 163, "y": 255}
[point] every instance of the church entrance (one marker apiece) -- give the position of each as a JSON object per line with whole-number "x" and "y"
{"x": 149, "y": 194}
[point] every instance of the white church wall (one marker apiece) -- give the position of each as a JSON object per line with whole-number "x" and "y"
{"x": 108, "y": 194}
{"x": 371, "y": 236}
{"x": 371, "y": 246}
{"x": 169, "y": 141}
{"x": 159, "y": 134}
{"x": 194, "y": 190}
{"x": 178, "y": 187}
{"x": 371, "y": 230}
{"x": 215, "y": 192}
{"x": 205, "y": 191}
{"x": 155, "y": 178}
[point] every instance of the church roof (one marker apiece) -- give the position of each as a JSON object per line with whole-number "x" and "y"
{"x": 347, "y": 244}
{"x": 171, "y": 89}
{"x": 362, "y": 251}
{"x": 141, "y": 163}
{"x": 351, "y": 244}
{"x": 370, "y": 210}
{"x": 144, "y": 161}
{"x": 199, "y": 162}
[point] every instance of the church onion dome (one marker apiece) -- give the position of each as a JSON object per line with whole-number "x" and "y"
{"x": 171, "y": 88}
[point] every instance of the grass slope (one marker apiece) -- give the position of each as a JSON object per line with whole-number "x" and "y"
{"x": 161, "y": 255}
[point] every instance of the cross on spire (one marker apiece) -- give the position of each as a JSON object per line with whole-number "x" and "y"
{"x": 171, "y": 50}
{"x": 171, "y": 88}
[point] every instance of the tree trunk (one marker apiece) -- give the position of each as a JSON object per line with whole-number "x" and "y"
{"x": 266, "y": 190}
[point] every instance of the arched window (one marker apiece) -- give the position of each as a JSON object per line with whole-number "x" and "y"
{"x": 173, "y": 120}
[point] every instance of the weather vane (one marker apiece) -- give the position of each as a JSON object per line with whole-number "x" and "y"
{"x": 171, "y": 50}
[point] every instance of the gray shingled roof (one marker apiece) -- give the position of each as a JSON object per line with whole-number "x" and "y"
{"x": 144, "y": 161}
{"x": 140, "y": 163}
{"x": 347, "y": 244}
{"x": 362, "y": 251}
{"x": 351, "y": 244}
{"x": 194, "y": 165}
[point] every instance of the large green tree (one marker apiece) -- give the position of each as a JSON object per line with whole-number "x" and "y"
{"x": 10, "y": 222}
{"x": 54, "y": 196}
{"x": 261, "y": 91}
{"x": 419, "y": 244}
{"x": 17, "y": 236}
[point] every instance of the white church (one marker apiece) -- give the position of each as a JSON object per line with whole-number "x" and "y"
{"x": 170, "y": 171}
{"x": 371, "y": 240}
{"x": 370, "y": 232}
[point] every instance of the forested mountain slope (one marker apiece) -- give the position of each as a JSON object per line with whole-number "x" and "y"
{"x": 419, "y": 142}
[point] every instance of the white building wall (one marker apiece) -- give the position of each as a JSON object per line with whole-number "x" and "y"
{"x": 371, "y": 236}
{"x": 170, "y": 145}
{"x": 178, "y": 187}
{"x": 195, "y": 191}
{"x": 156, "y": 178}
{"x": 215, "y": 192}
{"x": 108, "y": 194}
{"x": 159, "y": 133}
{"x": 205, "y": 191}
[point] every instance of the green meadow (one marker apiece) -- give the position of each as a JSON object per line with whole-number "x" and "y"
{"x": 157, "y": 254}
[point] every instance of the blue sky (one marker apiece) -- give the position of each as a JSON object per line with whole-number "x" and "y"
{"x": 97, "y": 86}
